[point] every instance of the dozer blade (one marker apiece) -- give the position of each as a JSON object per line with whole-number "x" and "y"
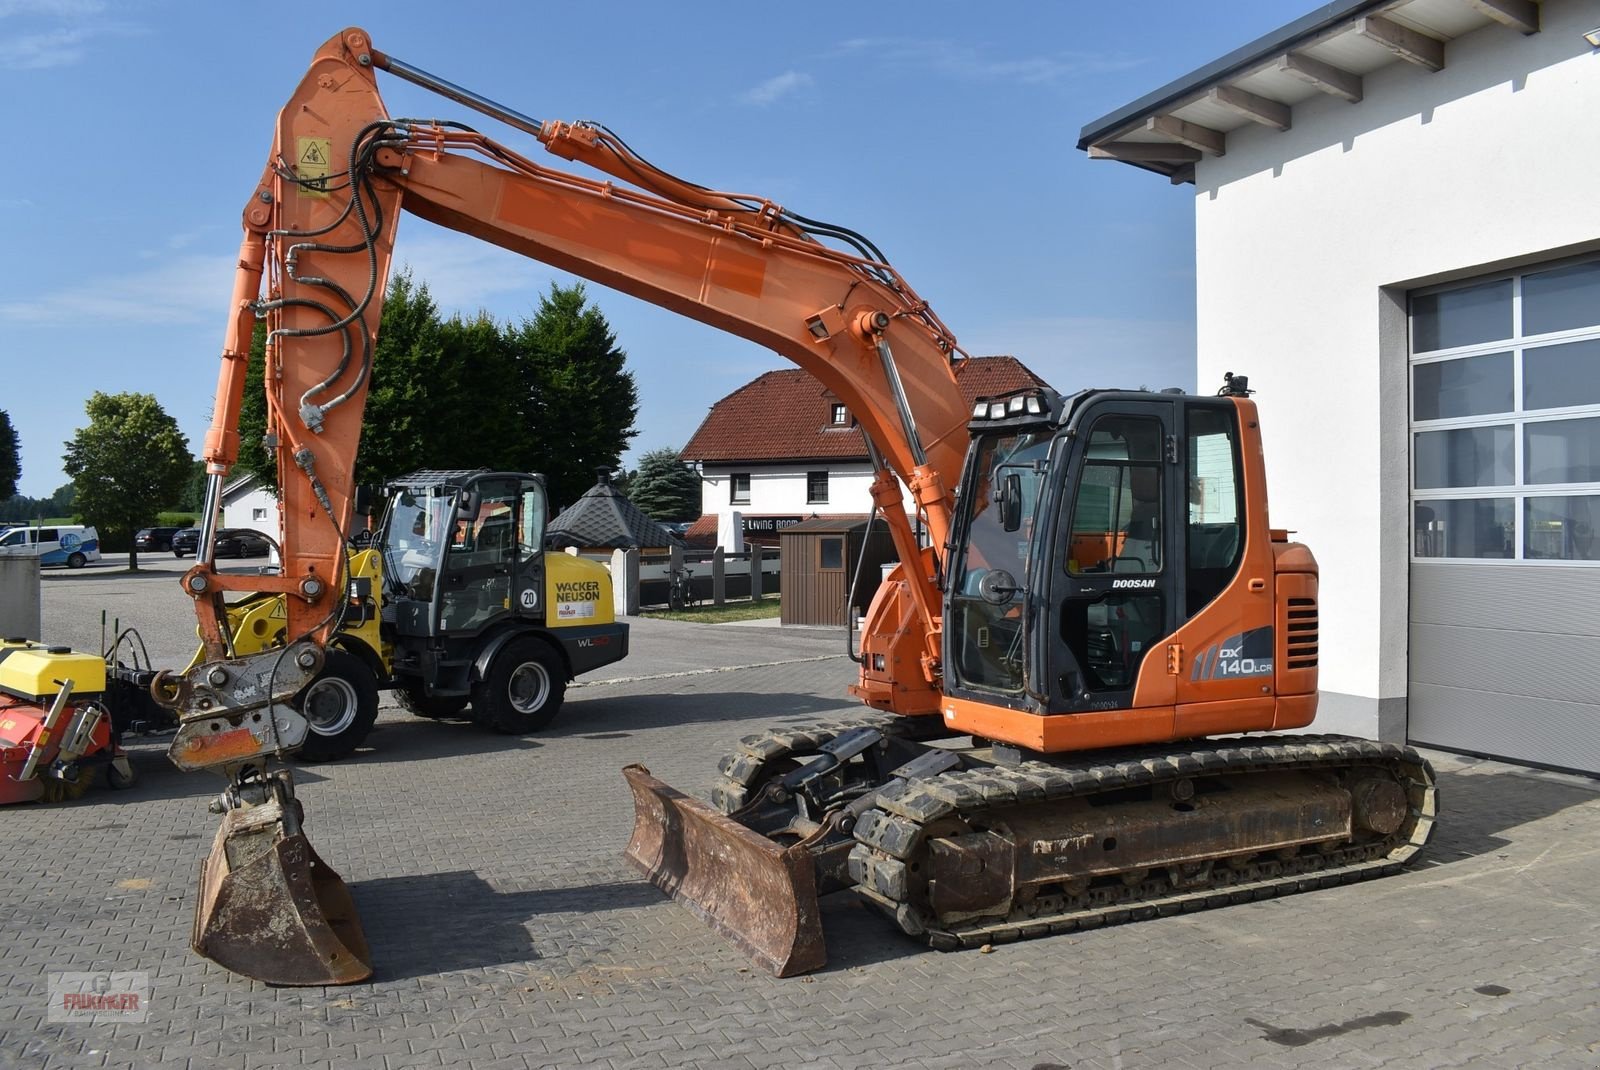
{"x": 760, "y": 895}
{"x": 271, "y": 910}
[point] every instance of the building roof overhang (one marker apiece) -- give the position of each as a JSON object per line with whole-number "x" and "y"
{"x": 1327, "y": 52}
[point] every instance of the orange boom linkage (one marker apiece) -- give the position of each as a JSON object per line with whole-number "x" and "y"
{"x": 1105, "y": 578}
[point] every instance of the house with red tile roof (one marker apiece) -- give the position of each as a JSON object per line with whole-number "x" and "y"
{"x": 783, "y": 448}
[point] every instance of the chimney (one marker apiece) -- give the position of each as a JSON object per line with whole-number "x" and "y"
{"x": 602, "y": 477}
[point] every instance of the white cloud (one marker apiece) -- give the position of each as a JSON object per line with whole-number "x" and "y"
{"x": 964, "y": 62}
{"x": 464, "y": 275}
{"x": 62, "y": 9}
{"x": 186, "y": 289}
{"x": 58, "y": 32}
{"x": 776, "y": 88}
{"x": 183, "y": 288}
{"x": 1074, "y": 352}
{"x": 40, "y": 51}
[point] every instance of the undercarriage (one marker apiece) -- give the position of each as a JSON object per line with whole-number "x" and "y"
{"x": 964, "y": 843}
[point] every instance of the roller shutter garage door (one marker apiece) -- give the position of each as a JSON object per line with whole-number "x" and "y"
{"x": 1505, "y": 477}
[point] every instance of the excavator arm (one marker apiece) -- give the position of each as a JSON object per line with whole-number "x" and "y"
{"x": 318, "y": 242}
{"x": 319, "y": 233}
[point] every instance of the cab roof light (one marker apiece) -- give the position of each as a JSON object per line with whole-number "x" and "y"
{"x": 1035, "y": 405}
{"x": 1014, "y": 405}
{"x": 997, "y": 410}
{"x": 980, "y": 410}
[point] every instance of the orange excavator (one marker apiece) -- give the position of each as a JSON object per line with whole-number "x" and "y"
{"x": 1099, "y": 595}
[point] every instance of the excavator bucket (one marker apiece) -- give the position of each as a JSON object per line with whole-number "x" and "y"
{"x": 759, "y": 894}
{"x": 270, "y": 909}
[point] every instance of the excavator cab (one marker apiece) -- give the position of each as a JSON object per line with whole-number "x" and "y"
{"x": 1113, "y": 571}
{"x": 1090, "y": 529}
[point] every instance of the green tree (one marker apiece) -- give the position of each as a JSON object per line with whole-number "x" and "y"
{"x": 576, "y": 400}
{"x": 22, "y": 507}
{"x": 441, "y": 394}
{"x": 10, "y": 457}
{"x": 193, "y": 498}
{"x": 665, "y": 487}
{"x": 127, "y": 465}
{"x": 550, "y": 395}
{"x": 253, "y": 456}
{"x": 62, "y": 501}
{"x": 398, "y": 423}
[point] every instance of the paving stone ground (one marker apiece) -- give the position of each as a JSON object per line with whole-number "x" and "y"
{"x": 508, "y": 931}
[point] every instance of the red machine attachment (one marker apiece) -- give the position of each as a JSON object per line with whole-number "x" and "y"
{"x": 55, "y": 729}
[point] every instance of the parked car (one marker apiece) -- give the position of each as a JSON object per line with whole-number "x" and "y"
{"x": 149, "y": 540}
{"x": 73, "y": 545}
{"x": 241, "y": 542}
{"x": 185, "y": 541}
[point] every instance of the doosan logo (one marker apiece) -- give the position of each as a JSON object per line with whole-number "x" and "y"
{"x": 1133, "y": 583}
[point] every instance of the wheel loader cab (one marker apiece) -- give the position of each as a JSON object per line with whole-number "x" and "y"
{"x": 1093, "y": 532}
{"x": 464, "y": 552}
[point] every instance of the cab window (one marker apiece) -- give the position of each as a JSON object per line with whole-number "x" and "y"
{"x": 1215, "y": 536}
{"x": 1117, "y": 516}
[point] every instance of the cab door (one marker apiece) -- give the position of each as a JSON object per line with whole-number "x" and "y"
{"x": 1117, "y": 585}
{"x": 528, "y": 576}
{"x": 475, "y": 587}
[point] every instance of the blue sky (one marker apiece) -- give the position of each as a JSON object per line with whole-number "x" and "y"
{"x": 945, "y": 131}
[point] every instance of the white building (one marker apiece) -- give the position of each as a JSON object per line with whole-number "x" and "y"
{"x": 247, "y": 504}
{"x": 1396, "y": 239}
{"x": 782, "y": 448}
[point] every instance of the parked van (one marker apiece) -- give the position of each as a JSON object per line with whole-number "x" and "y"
{"x": 73, "y": 545}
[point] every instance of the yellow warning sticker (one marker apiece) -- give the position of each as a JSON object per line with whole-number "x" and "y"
{"x": 312, "y": 164}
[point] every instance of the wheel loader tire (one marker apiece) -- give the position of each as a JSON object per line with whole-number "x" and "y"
{"x": 341, "y": 704}
{"x": 523, "y": 690}
{"x": 115, "y": 778}
{"x": 434, "y": 707}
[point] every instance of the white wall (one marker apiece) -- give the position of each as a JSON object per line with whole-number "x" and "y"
{"x": 783, "y": 491}
{"x": 1306, "y": 241}
{"x": 240, "y": 512}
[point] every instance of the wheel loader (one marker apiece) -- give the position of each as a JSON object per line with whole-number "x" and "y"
{"x": 1076, "y": 686}
{"x": 451, "y": 601}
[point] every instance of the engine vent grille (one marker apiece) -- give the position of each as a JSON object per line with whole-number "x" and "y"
{"x": 1301, "y": 646}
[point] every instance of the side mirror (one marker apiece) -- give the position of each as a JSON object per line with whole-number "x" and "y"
{"x": 467, "y": 504}
{"x": 365, "y": 496}
{"x": 1009, "y": 498}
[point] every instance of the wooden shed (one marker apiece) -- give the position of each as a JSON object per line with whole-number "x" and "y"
{"x": 818, "y": 562}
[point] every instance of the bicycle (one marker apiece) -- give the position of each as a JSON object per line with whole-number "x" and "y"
{"x": 680, "y": 589}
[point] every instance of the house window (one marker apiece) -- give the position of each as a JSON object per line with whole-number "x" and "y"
{"x": 257, "y": 514}
{"x": 841, "y": 415}
{"x": 816, "y": 488}
{"x": 830, "y": 552}
{"x": 1505, "y": 417}
{"x": 739, "y": 488}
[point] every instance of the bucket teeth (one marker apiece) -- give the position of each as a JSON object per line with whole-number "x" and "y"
{"x": 758, "y": 894}
{"x": 270, "y": 909}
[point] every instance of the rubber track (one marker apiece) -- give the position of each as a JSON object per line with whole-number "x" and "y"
{"x": 756, "y": 754}
{"x": 890, "y": 834}
{"x": 893, "y": 833}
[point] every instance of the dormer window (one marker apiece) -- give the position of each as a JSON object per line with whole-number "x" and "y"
{"x": 841, "y": 415}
